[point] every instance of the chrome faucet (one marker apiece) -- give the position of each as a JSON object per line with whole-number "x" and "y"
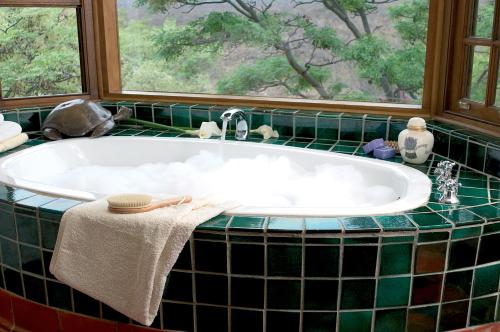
{"x": 241, "y": 123}
{"x": 447, "y": 186}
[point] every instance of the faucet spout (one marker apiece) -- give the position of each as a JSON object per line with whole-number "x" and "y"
{"x": 241, "y": 123}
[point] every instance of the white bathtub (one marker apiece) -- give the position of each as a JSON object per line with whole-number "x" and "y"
{"x": 29, "y": 168}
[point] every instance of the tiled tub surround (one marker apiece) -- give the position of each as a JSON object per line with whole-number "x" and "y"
{"x": 429, "y": 269}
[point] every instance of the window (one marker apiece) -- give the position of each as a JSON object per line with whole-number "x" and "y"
{"x": 475, "y": 79}
{"x": 368, "y": 51}
{"x": 39, "y": 52}
{"x": 45, "y": 51}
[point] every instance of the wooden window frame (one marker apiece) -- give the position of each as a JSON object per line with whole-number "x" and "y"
{"x": 458, "y": 108}
{"x": 108, "y": 62}
{"x": 84, "y": 14}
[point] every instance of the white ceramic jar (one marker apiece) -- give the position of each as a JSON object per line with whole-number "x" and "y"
{"x": 416, "y": 142}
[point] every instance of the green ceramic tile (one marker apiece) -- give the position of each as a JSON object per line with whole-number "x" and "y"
{"x": 7, "y": 224}
{"x": 55, "y": 208}
{"x": 211, "y": 289}
{"x": 305, "y": 126}
{"x": 9, "y": 194}
{"x": 319, "y": 321}
{"x": 178, "y": 287}
{"x": 487, "y": 211}
{"x": 433, "y": 236}
{"x": 282, "y": 321}
{"x": 246, "y": 320}
{"x": 357, "y": 294}
{"x": 284, "y": 239}
{"x": 393, "y": 320}
{"x": 10, "y": 253}
{"x": 210, "y": 256}
{"x": 259, "y": 119}
{"x": 27, "y": 229}
{"x": 359, "y": 224}
{"x": 177, "y": 316}
{"x": 319, "y": 225}
{"x": 283, "y": 294}
{"x": 49, "y": 232}
{"x": 217, "y": 223}
{"x": 351, "y": 128}
{"x": 486, "y": 280}
{"x": 483, "y": 310}
{"x": 181, "y": 117}
{"x": 393, "y": 292}
{"x": 430, "y": 258}
{"x": 488, "y": 250}
{"x": 201, "y": 235}
{"x": 279, "y": 224}
{"x": 359, "y": 261}
{"x": 395, "y": 223}
{"x": 322, "y": 240}
{"x": 283, "y": 124}
{"x": 492, "y": 228}
{"x": 247, "y": 223}
{"x": 284, "y": 260}
{"x": 162, "y": 114}
{"x": 393, "y": 239}
{"x": 211, "y": 316}
{"x": 457, "y": 285}
{"x": 441, "y": 142}
{"x": 34, "y": 288}
{"x": 318, "y": 146}
{"x": 395, "y": 128}
{"x": 426, "y": 289}
{"x": 476, "y": 192}
{"x": 453, "y": 316}
{"x": 462, "y": 253}
{"x": 143, "y": 111}
{"x": 465, "y": 232}
{"x": 322, "y": 261}
{"x": 258, "y": 238}
{"x": 344, "y": 149}
{"x": 359, "y": 321}
{"x": 374, "y": 128}
{"x": 462, "y": 217}
{"x": 247, "y": 292}
{"x": 29, "y": 121}
{"x": 247, "y": 259}
{"x": 395, "y": 259}
{"x": 476, "y": 155}
{"x": 198, "y": 116}
{"x": 320, "y": 294}
{"x": 429, "y": 220}
{"x": 360, "y": 240}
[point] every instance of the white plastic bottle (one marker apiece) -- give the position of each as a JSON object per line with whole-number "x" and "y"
{"x": 416, "y": 142}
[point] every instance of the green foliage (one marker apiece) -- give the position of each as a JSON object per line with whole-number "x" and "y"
{"x": 484, "y": 20}
{"x": 369, "y": 53}
{"x": 39, "y": 52}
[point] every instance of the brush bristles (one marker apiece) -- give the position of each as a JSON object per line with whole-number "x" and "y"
{"x": 129, "y": 201}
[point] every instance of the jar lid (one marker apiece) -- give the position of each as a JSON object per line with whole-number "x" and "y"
{"x": 416, "y": 123}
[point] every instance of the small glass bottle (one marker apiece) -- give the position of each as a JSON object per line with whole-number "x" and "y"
{"x": 415, "y": 143}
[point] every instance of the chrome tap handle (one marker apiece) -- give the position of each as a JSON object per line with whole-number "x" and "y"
{"x": 241, "y": 122}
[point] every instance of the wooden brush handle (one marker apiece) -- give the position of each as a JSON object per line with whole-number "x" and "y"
{"x": 153, "y": 206}
{"x": 170, "y": 201}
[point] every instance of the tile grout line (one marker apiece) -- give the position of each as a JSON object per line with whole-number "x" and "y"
{"x": 302, "y": 276}
{"x": 445, "y": 276}
{"x": 412, "y": 276}
{"x": 339, "y": 284}
{"x": 469, "y": 311}
{"x": 193, "y": 282}
{"x": 377, "y": 278}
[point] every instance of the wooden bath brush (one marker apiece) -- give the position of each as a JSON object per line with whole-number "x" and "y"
{"x": 137, "y": 203}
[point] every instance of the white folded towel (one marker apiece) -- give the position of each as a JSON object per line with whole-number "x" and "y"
{"x": 1, "y": 117}
{"x": 123, "y": 260}
{"x": 13, "y": 142}
{"x": 9, "y": 129}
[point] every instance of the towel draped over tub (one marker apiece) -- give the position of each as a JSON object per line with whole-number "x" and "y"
{"x": 123, "y": 260}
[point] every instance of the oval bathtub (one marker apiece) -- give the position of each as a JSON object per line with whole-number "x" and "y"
{"x": 42, "y": 168}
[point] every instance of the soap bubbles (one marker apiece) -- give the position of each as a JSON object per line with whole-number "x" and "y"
{"x": 262, "y": 181}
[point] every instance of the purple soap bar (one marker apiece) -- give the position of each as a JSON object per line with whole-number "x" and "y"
{"x": 384, "y": 152}
{"x": 372, "y": 145}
